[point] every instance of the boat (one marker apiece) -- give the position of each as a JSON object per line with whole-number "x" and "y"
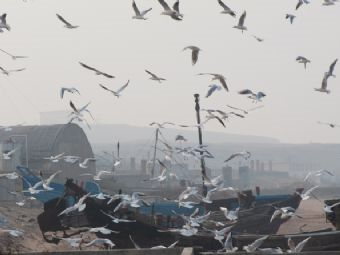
{"x": 325, "y": 240}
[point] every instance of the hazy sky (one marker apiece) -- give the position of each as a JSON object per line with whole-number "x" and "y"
{"x": 110, "y": 40}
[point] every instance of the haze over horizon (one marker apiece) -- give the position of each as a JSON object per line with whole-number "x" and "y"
{"x": 110, "y": 40}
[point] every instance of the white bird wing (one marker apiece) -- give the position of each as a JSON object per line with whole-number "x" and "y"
{"x": 123, "y": 87}
{"x": 87, "y": 160}
{"x": 242, "y": 18}
{"x": 134, "y": 243}
{"x": 301, "y": 245}
{"x": 145, "y": 11}
{"x": 63, "y": 20}
{"x": 135, "y": 8}
{"x": 164, "y": 5}
{"x": 307, "y": 193}
{"x": 49, "y": 179}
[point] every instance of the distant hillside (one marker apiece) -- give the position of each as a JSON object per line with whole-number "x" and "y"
{"x": 110, "y": 133}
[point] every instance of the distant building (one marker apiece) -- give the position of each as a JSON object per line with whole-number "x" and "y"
{"x": 34, "y": 143}
{"x": 227, "y": 173}
{"x": 244, "y": 176}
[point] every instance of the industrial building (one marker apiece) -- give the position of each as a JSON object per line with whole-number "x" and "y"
{"x": 34, "y": 143}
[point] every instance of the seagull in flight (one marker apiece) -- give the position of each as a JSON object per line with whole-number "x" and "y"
{"x": 258, "y": 38}
{"x": 98, "y": 176}
{"x": 324, "y": 84}
{"x": 3, "y": 23}
{"x": 291, "y": 18}
{"x": 79, "y": 112}
{"x": 70, "y": 90}
{"x": 138, "y": 14}
{"x": 8, "y": 72}
{"x": 212, "y": 89}
{"x": 67, "y": 24}
{"x": 116, "y": 93}
{"x": 317, "y": 173}
{"x": 255, "y": 245}
{"x": 10, "y": 176}
{"x": 240, "y": 24}
{"x": 301, "y": 2}
{"x": 244, "y": 154}
{"x": 306, "y": 195}
{"x": 46, "y": 183}
{"x": 84, "y": 164}
{"x": 218, "y": 77}
{"x": 299, "y": 247}
{"x": 55, "y": 159}
{"x": 176, "y": 8}
{"x": 328, "y": 2}
{"x": 194, "y": 53}
{"x": 80, "y": 206}
{"x": 256, "y": 97}
{"x": 97, "y": 72}
{"x": 33, "y": 189}
{"x": 8, "y": 155}
{"x": 245, "y": 111}
{"x": 226, "y": 9}
{"x": 331, "y": 68}
{"x": 155, "y": 77}
{"x": 161, "y": 125}
{"x": 328, "y": 208}
{"x": 303, "y": 60}
{"x": 14, "y": 57}
{"x": 170, "y": 12}
{"x": 332, "y": 125}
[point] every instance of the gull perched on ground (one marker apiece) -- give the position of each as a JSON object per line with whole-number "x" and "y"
{"x": 194, "y": 53}
{"x": 317, "y": 173}
{"x": 70, "y": 90}
{"x": 301, "y": 2}
{"x": 8, "y": 155}
{"x": 255, "y": 245}
{"x": 100, "y": 241}
{"x": 231, "y": 215}
{"x": 324, "y": 84}
{"x": 138, "y": 14}
{"x": 226, "y": 9}
{"x": 256, "y": 97}
{"x": 331, "y": 68}
{"x": 84, "y": 164}
{"x": 98, "y": 176}
{"x": 55, "y": 159}
{"x": 244, "y": 154}
{"x": 291, "y": 18}
{"x": 306, "y": 195}
{"x": 303, "y": 60}
{"x": 116, "y": 93}
{"x": 212, "y": 89}
{"x": 67, "y": 24}
{"x": 12, "y": 232}
{"x": 74, "y": 242}
{"x": 170, "y": 12}
{"x": 299, "y": 247}
{"x": 155, "y": 77}
{"x": 328, "y": 208}
{"x": 14, "y": 57}
{"x": 97, "y": 72}
{"x": 218, "y": 77}
{"x": 10, "y": 176}
{"x": 8, "y": 72}
{"x": 80, "y": 206}
{"x": 240, "y": 24}
{"x": 332, "y": 125}
{"x": 3, "y": 23}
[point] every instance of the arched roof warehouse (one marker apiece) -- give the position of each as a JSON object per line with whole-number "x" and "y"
{"x": 45, "y": 141}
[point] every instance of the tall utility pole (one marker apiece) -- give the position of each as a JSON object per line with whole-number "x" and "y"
{"x": 198, "y": 118}
{"x": 154, "y": 154}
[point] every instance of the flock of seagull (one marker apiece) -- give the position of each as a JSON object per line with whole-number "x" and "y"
{"x": 135, "y": 200}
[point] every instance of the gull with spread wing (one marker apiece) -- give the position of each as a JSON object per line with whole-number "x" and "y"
{"x": 66, "y": 23}
{"x": 3, "y": 23}
{"x": 138, "y": 14}
{"x": 154, "y": 77}
{"x": 118, "y": 92}
{"x": 55, "y": 159}
{"x": 240, "y": 24}
{"x": 14, "y": 57}
{"x": 226, "y": 9}
{"x": 244, "y": 154}
{"x": 303, "y": 60}
{"x": 256, "y": 97}
{"x": 218, "y": 77}
{"x": 194, "y": 53}
{"x": 70, "y": 90}
{"x": 96, "y": 71}
{"x": 8, "y": 72}
{"x": 170, "y": 12}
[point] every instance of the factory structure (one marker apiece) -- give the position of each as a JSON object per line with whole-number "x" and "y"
{"x": 32, "y": 144}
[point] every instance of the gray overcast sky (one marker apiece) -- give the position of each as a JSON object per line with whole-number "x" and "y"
{"x": 111, "y": 41}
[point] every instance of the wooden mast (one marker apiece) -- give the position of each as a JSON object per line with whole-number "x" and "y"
{"x": 198, "y": 118}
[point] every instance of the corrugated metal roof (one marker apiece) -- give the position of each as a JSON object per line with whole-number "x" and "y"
{"x": 40, "y": 139}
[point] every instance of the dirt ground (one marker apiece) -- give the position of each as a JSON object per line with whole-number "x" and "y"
{"x": 24, "y": 218}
